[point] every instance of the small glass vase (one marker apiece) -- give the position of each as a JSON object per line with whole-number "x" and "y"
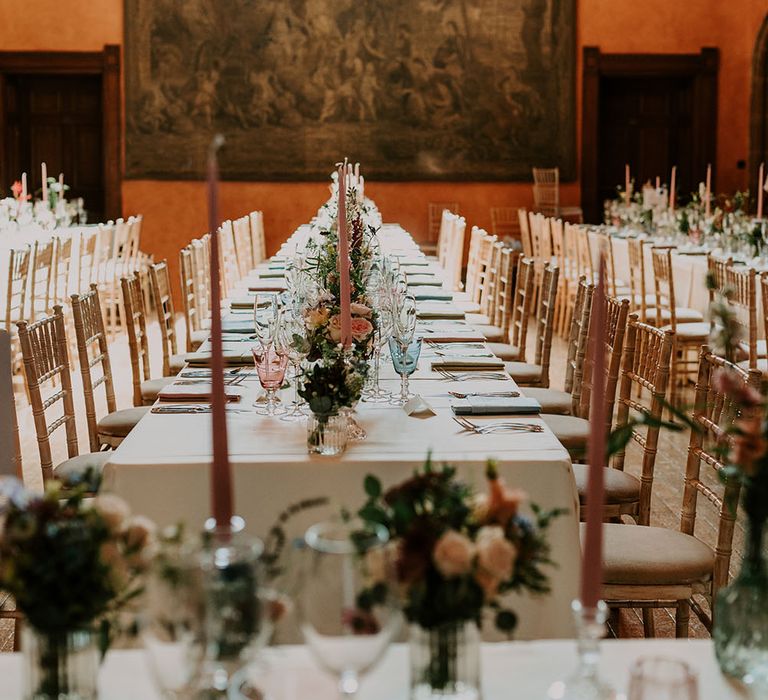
{"x": 326, "y": 433}
{"x": 60, "y": 665}
{"x": 445, "y": 662}
{"x": 741, "y": 615}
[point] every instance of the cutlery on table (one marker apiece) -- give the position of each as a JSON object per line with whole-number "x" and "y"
{"x": 498, "y": 426}
{"x": 498, "y": 394}
{"x": 464, "y": 376}
{"x": 178, "y": 408}
{"x": 206, "y": 373}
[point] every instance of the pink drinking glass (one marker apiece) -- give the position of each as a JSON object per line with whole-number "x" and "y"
{"x": 270, "y": 366}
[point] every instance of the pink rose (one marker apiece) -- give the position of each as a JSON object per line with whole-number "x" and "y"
{"x": 495, "y": 553}
{"x": 361, "y": 328}
{"x": 334, "y": 328}
{"x": 360, "y": 309}
{"x": 453, "y": 554}
{"x": 113, "y": 510}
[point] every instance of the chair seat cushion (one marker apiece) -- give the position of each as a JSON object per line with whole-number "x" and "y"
{"x": 197, "y": 338}
{"x": 478, "y": 319}
{"x": 642, "y": 555}
{"x": 151, "y": 388}
{"x": 690, "y": 331}
{"x": 120, "y": 423}
{"x": 468, "y": 307}
{"x": 178, "y": 363}
{"x": 73, "y": 469}
{"x": 572, "y": 431}
{"x": 524, "y": 372}
{"x": 493, "y": 334}
{"x": 620, "y": 487}
{"x": 682, "y": 314}
{"x": 505, "y": 351}
{"x": 551, "y": 400}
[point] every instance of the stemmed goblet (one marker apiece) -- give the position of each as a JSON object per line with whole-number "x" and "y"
{"x": 403, "y": 347}
{"x": 291, "y": 338}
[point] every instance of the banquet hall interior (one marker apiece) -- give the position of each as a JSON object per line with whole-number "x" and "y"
{"x": 383, "y": 349}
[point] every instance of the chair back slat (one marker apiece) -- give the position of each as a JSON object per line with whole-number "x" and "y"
{"x": 578, "y": 339}
{"x": 41, "y": 279}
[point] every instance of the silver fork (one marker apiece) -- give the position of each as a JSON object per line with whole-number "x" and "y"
{"x": 512, "y": 426}
{"x": 463, "y": 376}
{"x": 502, "y": 394}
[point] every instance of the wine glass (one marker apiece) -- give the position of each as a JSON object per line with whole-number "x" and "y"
{"x": 405, "y": 360}
{"x": 377, "y": 290}
{"x": 658, "y": 678}
{"x": 271, "y": 361}
{"x": 347, "y": 607}
{"x": 265, "y": 316}
{"x": 291, "y": 339}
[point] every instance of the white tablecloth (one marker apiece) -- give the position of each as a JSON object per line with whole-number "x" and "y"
{"x": 510, "y": 671}
{"x": 162, "y": 469}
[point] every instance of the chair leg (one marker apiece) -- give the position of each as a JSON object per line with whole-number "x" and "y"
{"x": 649, "y": 623}
{"x": 682, "y": 618}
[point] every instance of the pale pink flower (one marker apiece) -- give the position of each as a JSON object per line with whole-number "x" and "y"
{"x": 334, "y": 328}
{"x": 360, "y": 309}
{"x": 113, "y": 509}
{"x": 496, "y": 555}
{"x": 361, "y": 328}
{"x": 453, "y": 554}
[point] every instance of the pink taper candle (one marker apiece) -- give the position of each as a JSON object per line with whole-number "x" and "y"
{"x": 345, "y": 295}
{"x": 760, "y": 183}
{"x": 708, "y": 195}
{"x": 592, "y": 563}
{"x": 44, "y": 175}
{"x": 221, "y": 477}
{"x": 627, "y": 181}
{"x": 23, "y": 187}
{"x": 672, "y": 184}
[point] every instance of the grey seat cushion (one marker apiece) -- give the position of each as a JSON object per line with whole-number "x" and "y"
{"x": 505, "y": 351}
{"x": 120, "y": 423}
{"x": 573, "y": 432}
{"x": 524, "y": 372}
{"x": 620, "y": 487}
{"x": 551, "y": 400}
{"x": 151, "y": 388}
{"x": 74, "y": 469}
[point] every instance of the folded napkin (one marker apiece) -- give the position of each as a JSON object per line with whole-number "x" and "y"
{"x": 236, "y": 357}
{"x": 199, "y": 392}
{"x": 414, "y": 262}
{"x": 264, "y": 274}
{"x": 432, "y": 295}
{"x": 276, "y": 285}
{"x": 418, "y": 406}
{"x": 276, "y": 265}
{"x": 424, "y": 281}
{"x": 496, "y": 405}
{"x": 467, "y": 363}
{"x": 447, "y": 311}
{"x": 241, "y": 303}
{"x": 236, "y": 325}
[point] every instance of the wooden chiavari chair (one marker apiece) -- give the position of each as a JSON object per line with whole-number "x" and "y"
{"x": 500, "y": 310}
{"x": 615, "y": 287}
{"x": 584, "y": 257}
{"x": 258, "y": 240}
{"x": 469, "y": 301}
{"x": 519, "y": 302}
{"x": 689, "y": 335}
{"x": 505, "y": 222}
{"x": 573, "y": 430}
{"x": 645, "y": 367}
{"x": 762, "y": 344}
{"x": 62, "y": 268}
{"x": 49, "y": 382}
{"x": 638, "y": 293}
{"x": 434, "y": 222}
{"x": 145, "y": 390}
{"x": 484, "y": 321}
{"x": 93, "y": 350}
{"x": 86, "y": 258}
{"x": 16, "y": 297}
{"x": 717, "y": 271}
{"x": 484, "y": 282}
{"x": 655, "y": 567}
{"x": 110, "y": 237}
{"x": 525, "y": 233}
{"x": 546, "y": 195}
{"x": 160, "y": 280}
{"x": 229, "y": 271}
{"x": 41, "y": 279}
{"x": 555, "y": 400}
{"x": 741, "y": 282}
{"x": 202, "y": 273}
{"x": 241, "y": 230}
{"x": 447, "y": 222}
{"x": 195, "y": 334}
{"x": 456, "y": 253}
{"x": 537, "y": 373}
{"x": 567, "y": 281}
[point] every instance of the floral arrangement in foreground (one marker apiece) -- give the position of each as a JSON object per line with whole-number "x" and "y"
{"x": 457, "y": 552}
{"x": 70, "y": 562}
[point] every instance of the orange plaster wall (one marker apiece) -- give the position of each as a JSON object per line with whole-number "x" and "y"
{"x": 175, "y": 211}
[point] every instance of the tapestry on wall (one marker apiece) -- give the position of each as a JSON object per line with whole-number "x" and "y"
{"x": 414, "y": 89}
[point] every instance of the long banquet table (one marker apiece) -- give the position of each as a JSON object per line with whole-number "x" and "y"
{"x": 162, "y": 468}
{"x": 519, "y": 670}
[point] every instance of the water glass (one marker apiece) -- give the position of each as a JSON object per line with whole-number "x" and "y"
{"x": 405, "y": 360}
{"x": 658, "y": 678}
{"x": 266, "y": 316}
{"x": 271, "y": 364}
{"x": 290, "y": 339}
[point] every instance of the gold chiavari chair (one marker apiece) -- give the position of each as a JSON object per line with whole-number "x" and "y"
{"x": 645, "y": 367}
{"x": 555, "y": 400}
{"x": 195, "y": 334}
{"x": 41, "y": 279}
{"x": 447, "y": 222}
{"x": 741, "y": 282}
{"x": 584, "y": 253}
{"x": 573, "y": 430}
{"x": 10, "y": 460}
{"x": 86, "y": 258}
{"x": 717, "y": 271}
{"x": 484, "y": 321}
{"x": 518, "y": 296}
{"x": 500, "y": 310}
{"x": 202, "y": 274}
{"x": 546, "y": 195}
{"x": 689, "y": 335}
{"x": 434, "y": 222}
{"x": 654, "y": 567}
{"x": 49, "y": 382}
{"x": 505, "y": 222}
{"x": 241, "y": 230}
{"x": 62, "y": 267}
{"x": 525, "y": 233}
{"x": 762, "y": 344}
{"x": 16, "y": 297}
{"x": 456, "y": 253}
{"x": 469, "y": 301}
{"x": 537, "y": 373}
{"x": 542, "y": 246}
{"x": 160, "y": 281}
{"x": 229, "y": 272}
{"x": 145, "y": 389}
{"x": 567, "y": 280}
{"x": 615, "y": 287}
{"x": 258, "y": 239}
{"x": 93, "y": 351}
{"x": 639, "y": 298}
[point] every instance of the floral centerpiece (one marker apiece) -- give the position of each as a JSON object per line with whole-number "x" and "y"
{"x": 71, "y": 565}
{"x": 455, "y": 554}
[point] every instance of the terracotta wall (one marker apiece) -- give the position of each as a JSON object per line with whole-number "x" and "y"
{"x": 174, "y": 211}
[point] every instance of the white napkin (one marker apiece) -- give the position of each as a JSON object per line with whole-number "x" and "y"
{"x": 418, "y": 407}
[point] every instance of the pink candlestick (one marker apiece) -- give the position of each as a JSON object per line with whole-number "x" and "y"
{"x": 592, "y": 563}
{"x": 658, "y": 182}
{"x": 672, "y": 184}
{"x": 627, "y": 181}
{"x": 345, "y": 296}
{"x": 708, "y": 195}
{"x": 221, "y": 477}
{"x": 760, "y": 188}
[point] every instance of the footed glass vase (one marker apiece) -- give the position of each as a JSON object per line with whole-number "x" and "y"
{"x": 60, "y": 665}
{"x": 445, "y": 662}
{"x": 326, "y": 433}
{"x": 740, "y": 631}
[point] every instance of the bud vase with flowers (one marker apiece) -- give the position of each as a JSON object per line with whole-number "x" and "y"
{"x": 456, "y": 553}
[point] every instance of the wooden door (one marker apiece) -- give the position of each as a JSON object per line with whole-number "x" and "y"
{"x": 57, "y": 119}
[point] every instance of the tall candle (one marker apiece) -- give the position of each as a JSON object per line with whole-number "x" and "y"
{"x": 658, "y": 182}
{"x": 23, "y": 187}
{"x": 44, "y": 171}
{"x": 357, "y": 171}
{"x": 343, "y": 262}
{"x": 672, "y": 188}
{"x": 592, "y": 563}
{"x": 61, "y": 186}
{"x": 760, "y": 188}
{"x": 221, "y": 477}
{"x": 626, "y": 183}
{"x": 708, "y": 195}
